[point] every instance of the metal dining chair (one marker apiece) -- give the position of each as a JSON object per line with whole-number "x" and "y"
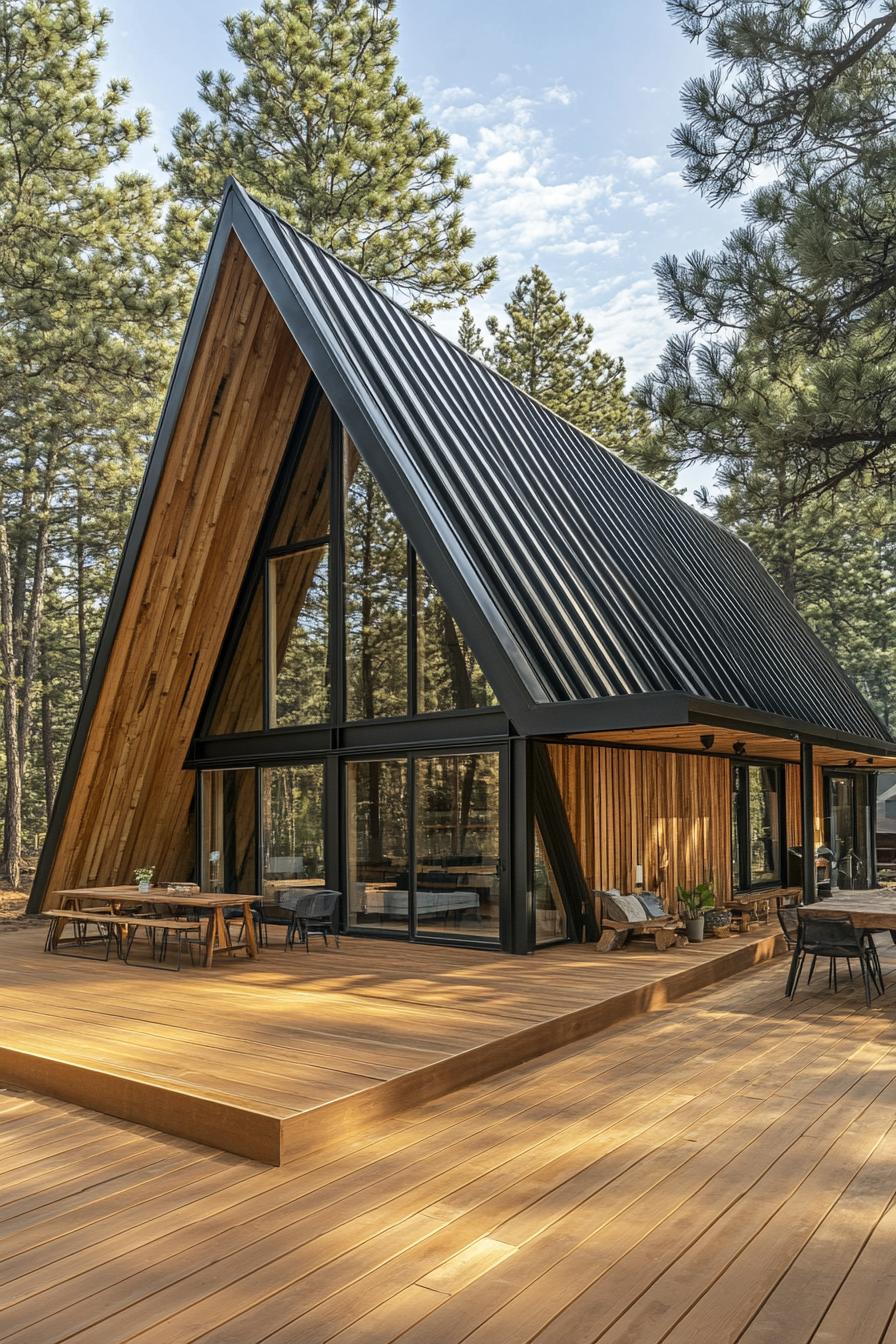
{"x": 835, "y": 940}
{"x": 313, "y": 912}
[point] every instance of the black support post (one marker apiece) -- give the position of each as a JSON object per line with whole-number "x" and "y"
{"x": 517, "y": 914}
{"x": 807, "y": 811}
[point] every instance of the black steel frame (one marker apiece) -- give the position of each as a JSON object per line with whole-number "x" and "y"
{"x": 340, "y": 740}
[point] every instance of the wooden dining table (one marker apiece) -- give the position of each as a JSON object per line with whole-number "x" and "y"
{"x": 873, "y": 909}
{"x": 209, "y": 903}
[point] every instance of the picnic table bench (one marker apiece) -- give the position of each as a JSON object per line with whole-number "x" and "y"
{"x": 203, "y": 905}
{"x": 110, "y": 926}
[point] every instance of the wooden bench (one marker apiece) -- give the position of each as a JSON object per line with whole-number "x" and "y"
{"x": 104, "y": 919}
{"x": 101, "y": 916}
{"x": 754, "y": 907}
{"x": 614, "y": 934}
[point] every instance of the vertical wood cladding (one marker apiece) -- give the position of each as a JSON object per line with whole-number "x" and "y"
{"x": 669, "y": 811}
{"x": 132, "y": 803}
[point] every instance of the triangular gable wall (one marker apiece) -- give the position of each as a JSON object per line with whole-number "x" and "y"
{"x": 124, "y": 798}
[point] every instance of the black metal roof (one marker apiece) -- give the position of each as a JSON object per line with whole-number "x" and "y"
{"x": 573, "y": 576}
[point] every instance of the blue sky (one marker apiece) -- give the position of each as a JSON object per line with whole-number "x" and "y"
{"x": 562, "y": 112}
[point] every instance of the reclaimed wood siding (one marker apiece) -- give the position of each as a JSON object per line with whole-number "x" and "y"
{"x": 132, "y": 801}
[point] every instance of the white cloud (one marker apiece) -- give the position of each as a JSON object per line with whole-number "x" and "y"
{"x": 559, "y": 93}
{"x": 674, "y": 180}
{"x": 763, "y": 175}
{"x": 632, "y": 323}
{"x": 578, "y": 247}
{"x": 585, "y": 222}
{"x": 646, "y": 166}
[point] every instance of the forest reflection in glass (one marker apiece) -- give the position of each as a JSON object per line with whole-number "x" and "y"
{"x": 550, "y": 914}
{"x": 299, "y": 638}
{"x": 448, "y": 675}
{"x": 377, "y": 822}
{"x": 228, "y": 831}
{"x": 458, "y": 844}
{"x": 376, "y": 609}
{"x": 292, "y": 806}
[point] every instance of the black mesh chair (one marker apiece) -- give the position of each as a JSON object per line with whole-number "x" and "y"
{"x": 314, "y": 912}
{"x": 836, "y": 940}
{"x": 267, "y": 913}
{"x": 789, "y": 919}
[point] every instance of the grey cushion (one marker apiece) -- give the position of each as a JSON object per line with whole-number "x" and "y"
{"x": 653, "y": 906}
{"x": 621, "y": 909}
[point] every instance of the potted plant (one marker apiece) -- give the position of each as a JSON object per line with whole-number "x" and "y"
{"x": 143, "y": 878}
{"x": 694, "y": 901}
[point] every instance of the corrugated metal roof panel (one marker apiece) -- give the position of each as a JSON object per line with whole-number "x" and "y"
{"x": 603, "y": 583}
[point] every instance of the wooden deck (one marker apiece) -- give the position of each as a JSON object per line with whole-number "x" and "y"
{"x": 276, "y": 1057}
{"x": 723, "y": 1170}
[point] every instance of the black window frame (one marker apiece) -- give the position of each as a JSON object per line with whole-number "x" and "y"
{"x": 410, "y": 757}
{"x": 861, "y": 813}
{"x": 740, "y": 851}
{"x": 339, "y": 740}
{"x": 259, "y": 575}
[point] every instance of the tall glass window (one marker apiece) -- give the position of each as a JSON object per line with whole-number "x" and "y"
{"x": 448, "y": 675}
{"x": 757, "y": 796}
{"x": 377, "y": 826}
{"x": 458, "y": 845}
{"x": 228, "y": 831}
{"x": 298, "y": 633}
{"x": 376, "y": 606}
{"x": 292, "y": 810}
{"x": 847, "y": 827}
{"x": 550, "y": 912}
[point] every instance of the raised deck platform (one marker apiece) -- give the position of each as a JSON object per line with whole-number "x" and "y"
{"x": 276, "y": 1057}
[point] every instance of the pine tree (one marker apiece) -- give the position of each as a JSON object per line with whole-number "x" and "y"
{"x": 785, "y": 382}
{"x": 321, "y": 127}
{"x": 469, "y": 335}
{"x": 549, "y": 352}
{"x": 86, "y": 301}
{"x": 792, "y": 331}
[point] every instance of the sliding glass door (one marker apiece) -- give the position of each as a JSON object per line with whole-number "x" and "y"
{"x": 848, "y": 830}
{"x": 458, "y": 846}
{"x": 292, "y": 829}
{"x": 377, "y": 845}
{"x": 424, "y": 845}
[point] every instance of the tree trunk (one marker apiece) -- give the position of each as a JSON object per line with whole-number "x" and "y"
{"x": 12, "y": 837}
{"x": 83, "y": 653}
{"x": 46, "y": 724}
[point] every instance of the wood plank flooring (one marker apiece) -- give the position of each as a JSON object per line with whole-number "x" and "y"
{"x": 294, "y": 1051}
{"x": 723, "y": 1169}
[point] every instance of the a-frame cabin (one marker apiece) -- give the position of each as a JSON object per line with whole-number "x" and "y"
{"x": 384, "y": 622}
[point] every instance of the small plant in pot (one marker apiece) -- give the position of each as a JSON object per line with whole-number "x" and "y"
{"x": 695, "y": 901}
{"x": 143, "y": 878}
